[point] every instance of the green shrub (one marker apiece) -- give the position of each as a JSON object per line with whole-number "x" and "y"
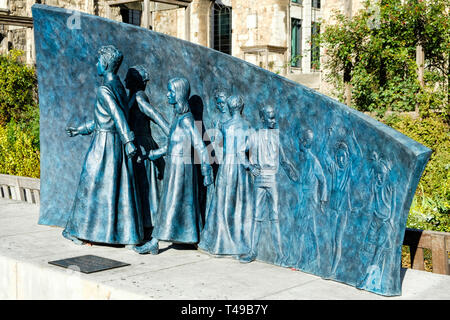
{"x": 18, "y": 89}
{"x": 430, "y": 209}
{"x": 18, "y": 153}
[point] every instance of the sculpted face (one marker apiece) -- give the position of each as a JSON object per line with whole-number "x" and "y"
{"x": 308, "y": 139}
{"x": 380, "y": 174}
{"x": 341, "y": 158}
{"x": 101, "y": 68}
{"x": 221, "y": 104}
{"x": 269, "y": 119}
{"x": 171, "y": 94}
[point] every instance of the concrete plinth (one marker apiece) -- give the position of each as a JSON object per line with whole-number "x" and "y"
{"x": 176, "y": 273}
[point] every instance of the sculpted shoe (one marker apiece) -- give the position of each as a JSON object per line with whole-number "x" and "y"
{"x": 72, "y": 238}
{"x": 246, "y": 258}
{"x": 149, "y": 247}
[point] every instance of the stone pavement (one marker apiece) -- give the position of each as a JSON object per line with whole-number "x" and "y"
{"x": 176, "y": 273}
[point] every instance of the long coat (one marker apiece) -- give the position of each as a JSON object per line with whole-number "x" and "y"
{"x": 229, "y": 216}
{"x": 179, "y": 217}
{"x": 105, "y": 208}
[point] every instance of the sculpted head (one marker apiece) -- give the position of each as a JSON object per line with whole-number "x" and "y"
{"x": 307, "y": 138}
{"x": 235, "y": 104}
{"x": 136, "y": 78}
{"x": 178, "y": 92}
{"x": 109, "y": 60}
{"x": 341, "y": 155}
{"x": 221, "y": 95}
{"x": 267, "y": 114}
{"x": 381, "y": 172}
{"x": 381, "y": 168}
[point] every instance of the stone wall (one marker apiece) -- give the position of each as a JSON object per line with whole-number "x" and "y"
{"x": 22, "y": 38}
{"x": 259, "y": 23}
{"x": 170, "y": 22}
{"x": 254, "y": 23}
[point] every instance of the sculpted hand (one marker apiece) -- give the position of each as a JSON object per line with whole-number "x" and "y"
{"x": 72, "y": 131}
{"x": 130, "y": 149}
{"x": 322, "y": 205}
{"x": 152, "y": 156}
{"x": 255, "y": 170}
{"x": 208, "y": 179}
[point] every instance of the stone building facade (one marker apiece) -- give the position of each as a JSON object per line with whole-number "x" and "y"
{"x": 273, "y": 34}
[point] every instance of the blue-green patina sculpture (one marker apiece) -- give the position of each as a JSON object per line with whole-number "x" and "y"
{"x": 230, "y": 211}
{"x": 178, "y": 218}
{"x": 267, "y": 155}
{"x": 330, "y": 187}
{"x": 105, "y": 208}
{"x": 148, "y": 173}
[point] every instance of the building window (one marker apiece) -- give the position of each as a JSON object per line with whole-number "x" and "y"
{"x": 315, "y": 49}
{"x": 296, "y": 42}
{"x": 222, "y": 28}
{"x": 131, "y": 16}
{"x": 315, "y": 4}
{"x": 297, "y": 1}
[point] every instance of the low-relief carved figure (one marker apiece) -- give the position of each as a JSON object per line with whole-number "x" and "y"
{"x": 313, "y": 197}
{"x": 340, "y": 165}
{"x": 105, "y": 208}
{"x": 178, "y": 218}
{"x": 215, "y": 133}
{"x": 266, "y": 155}
{"x": 378, "y": 244}
{"x": 229, "y": 217}
{"x": 141, "y": 114}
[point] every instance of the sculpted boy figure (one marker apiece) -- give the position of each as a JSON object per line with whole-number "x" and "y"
{"x": 147, "y": 172}
{"x": 266, "y": 155}
{"x": 105, "y": 209}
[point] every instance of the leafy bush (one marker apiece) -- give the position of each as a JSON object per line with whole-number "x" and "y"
{"x": 430, "y": 209}
{"x": 18, "y": 89}
{"x": 374, "y": 54}
{"x": 19, "y": 118}
{"x": 18, "y": 153}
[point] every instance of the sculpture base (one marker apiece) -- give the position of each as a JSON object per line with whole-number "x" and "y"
{"x": 176, "y": 273}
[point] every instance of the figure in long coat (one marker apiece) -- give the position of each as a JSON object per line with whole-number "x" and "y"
{"x": 105, "y": 208}
{"x": 179, "y": 218}
{"x": 229, "y": 216}
{"x": 147, "y": 172}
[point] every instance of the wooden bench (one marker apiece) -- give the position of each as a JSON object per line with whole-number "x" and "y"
{"x": 20, "y": 188}
{"x": 437, "y": 242}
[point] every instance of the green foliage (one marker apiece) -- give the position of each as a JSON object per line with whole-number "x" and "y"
{"x": 19, "y": 118}
{"x": 430, "y": 209}
{"x": 18, "y": 153}
{"x": 375, "y": 53}
{"x": 18, "y": 90}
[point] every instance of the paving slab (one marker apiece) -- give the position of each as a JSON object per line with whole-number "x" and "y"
{"x": 178, "y": 272}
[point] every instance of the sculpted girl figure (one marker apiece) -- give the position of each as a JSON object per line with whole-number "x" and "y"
{"x": 178, "y": 218}
{"x": 229, "y": 217}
